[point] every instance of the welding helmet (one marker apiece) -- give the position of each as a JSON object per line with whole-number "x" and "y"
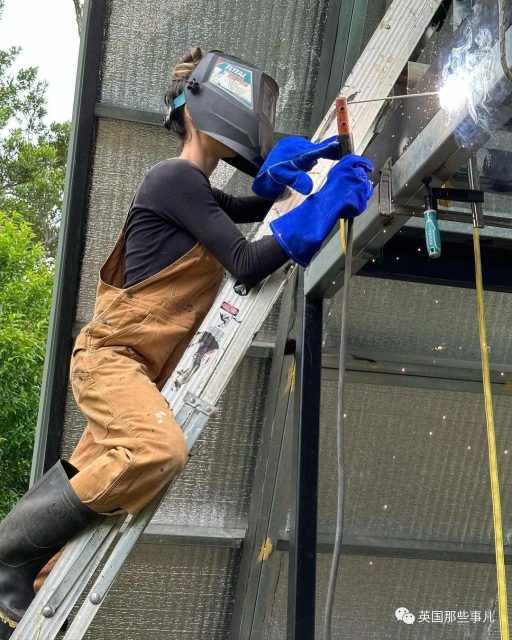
{"x": 234, "y": 102}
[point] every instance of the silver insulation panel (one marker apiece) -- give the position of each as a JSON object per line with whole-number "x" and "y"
{"x": 370, "y": 590}
{"x": 416, "y": 463}
{"x": 167, "y": 592}
{"x": 429, "y": 322}
{"x": 145, "y": 39}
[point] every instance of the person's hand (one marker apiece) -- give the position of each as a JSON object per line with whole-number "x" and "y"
{"x": 345, "y": 194}
{"x": 347, "y": 189}
{"x": 288, "y": 162}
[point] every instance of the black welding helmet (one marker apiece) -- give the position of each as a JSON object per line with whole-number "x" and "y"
{"x": 234, "y": 102}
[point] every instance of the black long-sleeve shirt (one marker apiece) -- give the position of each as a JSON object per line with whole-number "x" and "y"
{"x": 176, "y": 206}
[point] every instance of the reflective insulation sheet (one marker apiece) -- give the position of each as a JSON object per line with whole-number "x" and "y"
{"x": 416, "y": 463}
{"x": 146, "y": 39}
{"x": 424, "y": 322}
{"x": 215, "y": 489}
{"x": 167, "y": 592}
{"x": 448, "y": 600}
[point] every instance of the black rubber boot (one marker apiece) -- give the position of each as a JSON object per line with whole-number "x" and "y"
{"x": 42, "y": 522}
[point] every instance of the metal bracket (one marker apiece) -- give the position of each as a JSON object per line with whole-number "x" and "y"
{"x": 457, "y": 195}
{"x": 198, "y": 404}
{"x": 477, "y": 209}
{"x": 385, "y": 190}
{"x": 195, "y": 423}
{"x": 473, "y": 196}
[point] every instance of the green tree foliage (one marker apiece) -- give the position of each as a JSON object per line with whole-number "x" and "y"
{"x": 32, "y": 166}
{"x": 32, "y": 153}
{"x": 26, "y": 279}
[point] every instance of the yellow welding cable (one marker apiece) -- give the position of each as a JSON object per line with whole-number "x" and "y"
{"x": 343, "y": 235}
{"x": 491, "y": 441}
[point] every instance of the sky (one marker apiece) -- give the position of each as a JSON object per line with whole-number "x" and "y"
{"x": 48, "y": 34}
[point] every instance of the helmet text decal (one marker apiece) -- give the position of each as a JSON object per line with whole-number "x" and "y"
{"x": 235, "y": 80}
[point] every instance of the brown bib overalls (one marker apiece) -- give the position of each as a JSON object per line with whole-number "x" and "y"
{"x": 132, "y": 445}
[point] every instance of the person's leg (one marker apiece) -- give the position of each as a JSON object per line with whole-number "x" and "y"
{"x": 143, "y": 450}
{"x": 44, "y": 519}
{"x": 109, "y": 457}
{"x": 84, "y": 453}
{"x": 143, "y": 445}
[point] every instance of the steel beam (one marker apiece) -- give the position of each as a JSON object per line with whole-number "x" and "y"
{"x": 417, "y": 381}
{"x": 430, "y": 366}
{"x": 436, "y": 151}
{"x": 152, "y": 118}
{"x": 352, "y": 544}
{"x": 404, "y": 548}
{"x": 273, "y": 565}
{"x": 411, "y": 116}
{"x": 451, "y": 269}
{"x": 227, "y": 537}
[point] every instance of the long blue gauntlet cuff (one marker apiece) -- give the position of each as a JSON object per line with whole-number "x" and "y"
{"x": 301, "y": 231}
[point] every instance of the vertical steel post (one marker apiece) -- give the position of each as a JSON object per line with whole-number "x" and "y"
{"x": 303, "y": 511}
{"x": 71, "y": 240}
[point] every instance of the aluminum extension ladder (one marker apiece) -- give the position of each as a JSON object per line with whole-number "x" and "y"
{"x": 196, "y": 385}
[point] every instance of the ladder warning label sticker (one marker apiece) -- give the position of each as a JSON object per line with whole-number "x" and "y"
{"x": 206, "y": 344}
{"x": 229, "y": 308}
{"x": 235, "y": 80}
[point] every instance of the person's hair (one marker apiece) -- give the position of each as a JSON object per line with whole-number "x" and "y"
{"x": 179, "y": 77}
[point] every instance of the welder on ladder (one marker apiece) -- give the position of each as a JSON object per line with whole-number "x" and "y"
{"x": 154, "y": 290}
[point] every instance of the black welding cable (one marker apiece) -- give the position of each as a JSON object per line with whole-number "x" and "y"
{"x": 340, "y": 428}
{"x": 503, "y": 49}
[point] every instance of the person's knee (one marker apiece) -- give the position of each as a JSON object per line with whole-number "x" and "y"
{"x": 173, "y": 453}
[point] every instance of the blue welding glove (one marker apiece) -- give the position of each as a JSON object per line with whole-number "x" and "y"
{"x": 301, "y": 231}
{"x": 287, "y": 163}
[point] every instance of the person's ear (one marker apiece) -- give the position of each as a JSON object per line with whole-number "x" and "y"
{"x": 188, "y": 117}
